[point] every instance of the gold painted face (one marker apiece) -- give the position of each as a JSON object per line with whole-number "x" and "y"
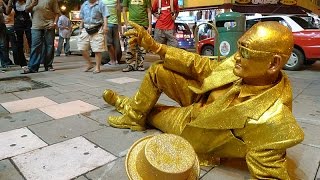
{"x": 258, "y": 46}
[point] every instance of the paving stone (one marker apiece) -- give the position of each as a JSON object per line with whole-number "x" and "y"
{"x": 312, "y": 89}
{"x": 307, "y": 109}
{"x": 96, "y": 101}
{"x": 113, "y": 170}
{"x": 92, "y": 80}
{"x": 311, "y": 134}
{"x": 70, "y": 96}
{"x": 318, "y": 174}
{"x": 63, "y": 81}
{"x": 65, "y": 128}
{"x": 124, "y": 138}
{"x": 68, "y": 109}
{"x": 63, "y": 160}
{"x": 36, "y": 93}
{"x": 296, "y": 92}
{"x": 22, "y": 119}
{"x": 69, "y": 88}
{"x": 123, "y": 80}
{"x": 18, "y": 141}
{"x": 101, "y": 115}
{"x": 27, "y": 104}
{"x": 81, "y": 178}
{"x": 8, "y": 97}
{"x": 8, "y": 171}
{"x": 98, "y": 91}
{"x": 3, "y": 111}
{"x": 231, "y": 169}
{"x": 303, "y": 161}
{"x": 299, "y": 83}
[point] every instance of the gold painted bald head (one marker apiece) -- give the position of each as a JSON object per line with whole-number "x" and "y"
{"x": 262, "y": 52}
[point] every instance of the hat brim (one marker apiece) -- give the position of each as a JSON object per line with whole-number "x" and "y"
{"x": 132, "y": 155}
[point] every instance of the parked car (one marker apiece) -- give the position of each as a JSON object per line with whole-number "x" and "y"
{"x": 306, "y": 40}
{"x": 183, "y": 34}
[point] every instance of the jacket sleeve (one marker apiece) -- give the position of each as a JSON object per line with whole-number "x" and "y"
{"x": 188, "y": 63}
{"x": 267, "y": 144}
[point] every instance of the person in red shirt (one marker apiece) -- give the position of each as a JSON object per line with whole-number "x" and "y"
{"x": 166, "y": 12}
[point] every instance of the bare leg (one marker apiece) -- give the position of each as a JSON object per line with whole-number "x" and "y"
{"x": 86, "y": 56}
{"x": 112, "y": 54}
{"x": 98, "y": 61}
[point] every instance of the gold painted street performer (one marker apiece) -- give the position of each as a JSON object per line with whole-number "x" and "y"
{"x": 240, "y": 107}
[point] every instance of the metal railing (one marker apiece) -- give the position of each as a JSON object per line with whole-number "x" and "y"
{"x": 216, "y": 38}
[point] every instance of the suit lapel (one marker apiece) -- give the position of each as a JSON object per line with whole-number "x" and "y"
{"x": 221, "y": 75}
{"x": 236, "y": 116}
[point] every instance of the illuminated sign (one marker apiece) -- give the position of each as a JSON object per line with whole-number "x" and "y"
{"x": 285, "y": 2}
{"x": 180, "y": 3}
{"x": 75, "y": 16}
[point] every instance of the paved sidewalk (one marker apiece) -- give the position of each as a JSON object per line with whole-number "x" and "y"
{"x": 52, "y": 125}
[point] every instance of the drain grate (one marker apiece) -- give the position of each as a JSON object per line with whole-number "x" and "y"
{"x": 21, "y": 83}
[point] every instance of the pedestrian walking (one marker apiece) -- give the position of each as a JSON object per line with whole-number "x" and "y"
{"x": 11, "y": 42}
{"x": 93, "y": 27}
{"x": 140, "y": 13}
{"x": 166, "y": 12}
{"x": 114, "y": 21}
{"x": 45, "y": 14}
{"x": 22, "y": 26}
{"x": 65, "y": 29}
{"x": 4, "y": 51}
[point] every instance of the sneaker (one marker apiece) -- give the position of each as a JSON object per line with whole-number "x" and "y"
{"x": 128, "y": 69}
{"x": 49, "y": 69}
{"x": 57, "y": 55}
{"x": 111, "y": 64}
{"x": 140, "y": 68}
{"x": 27, "y": 71}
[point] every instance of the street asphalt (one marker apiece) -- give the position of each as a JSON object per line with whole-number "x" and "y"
{"x": 53, "y": 124}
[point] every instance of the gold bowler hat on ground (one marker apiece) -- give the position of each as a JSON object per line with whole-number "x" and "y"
{"x": 162, "y": 157}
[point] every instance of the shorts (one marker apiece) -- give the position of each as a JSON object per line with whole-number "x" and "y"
{"x": 112, "y": 34}
{"x": 166, "y": 37}
{"x": 95, "y": 41}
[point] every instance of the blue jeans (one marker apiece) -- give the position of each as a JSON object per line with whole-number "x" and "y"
{"x": 42, "y": 48}
{"x": 4, "y": 51}
{"x": 66, "y": 46}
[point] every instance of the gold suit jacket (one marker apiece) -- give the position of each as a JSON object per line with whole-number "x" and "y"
{"x": 259, "y": 129}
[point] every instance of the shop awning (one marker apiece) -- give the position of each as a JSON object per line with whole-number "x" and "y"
{"x": 262, "y": 9}
{"x": 269, "y": 9}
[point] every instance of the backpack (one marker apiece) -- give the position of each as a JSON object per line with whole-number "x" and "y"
{"x": 171, "y": 7}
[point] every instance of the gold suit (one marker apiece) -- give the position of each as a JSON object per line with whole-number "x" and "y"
{"x": 259, "y": 129}
{"x": 219, "y": 114}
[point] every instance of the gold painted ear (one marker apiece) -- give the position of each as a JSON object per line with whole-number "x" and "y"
{"x": 275, "y": 64}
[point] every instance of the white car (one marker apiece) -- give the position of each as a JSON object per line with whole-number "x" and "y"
{"x": 74, "y": 45}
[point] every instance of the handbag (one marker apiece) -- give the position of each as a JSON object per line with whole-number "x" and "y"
{"x": 94, "y": 29}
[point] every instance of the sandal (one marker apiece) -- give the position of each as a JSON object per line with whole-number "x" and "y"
{"x": 88, "y": 68}
{"x": 96, "y": 71}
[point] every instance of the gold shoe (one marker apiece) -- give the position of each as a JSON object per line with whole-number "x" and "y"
{"x": 125, "y": 122}
{"x": 110, "y": 97}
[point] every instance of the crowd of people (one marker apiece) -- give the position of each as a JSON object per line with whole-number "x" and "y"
{"x": 100, "y": 30}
